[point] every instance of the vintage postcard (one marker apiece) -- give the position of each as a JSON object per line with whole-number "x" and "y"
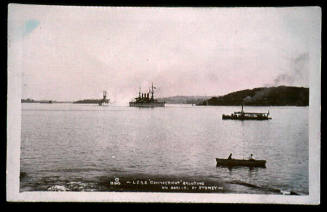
{"x": 164, "y": 104}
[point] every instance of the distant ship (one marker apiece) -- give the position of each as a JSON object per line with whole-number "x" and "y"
{"x": 104, "y": 100}
{"x": 241, "y": 115}
{"x": 145, "y": 100}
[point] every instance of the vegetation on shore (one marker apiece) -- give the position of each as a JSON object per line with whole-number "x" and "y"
{"x": 264, "y": 96}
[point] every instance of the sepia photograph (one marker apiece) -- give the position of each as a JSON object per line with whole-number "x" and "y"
{"x": 164, "y": 104}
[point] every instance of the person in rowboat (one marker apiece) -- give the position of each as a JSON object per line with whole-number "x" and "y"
{"x": 251, "y": 157}
{"x": 230, "y": 156}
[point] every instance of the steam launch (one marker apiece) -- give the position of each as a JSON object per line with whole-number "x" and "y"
{"x": 247, "y": 116}
{"x": 145, "y": 100}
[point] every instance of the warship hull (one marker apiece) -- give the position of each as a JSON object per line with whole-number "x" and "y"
{"x": 146, "y": 100}
{"x": 151, "y": 104}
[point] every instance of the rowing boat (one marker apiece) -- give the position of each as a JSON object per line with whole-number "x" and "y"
{"x": 240, "y": 162}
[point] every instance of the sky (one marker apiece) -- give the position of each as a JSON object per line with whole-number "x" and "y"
{"x": 68, "y": 53}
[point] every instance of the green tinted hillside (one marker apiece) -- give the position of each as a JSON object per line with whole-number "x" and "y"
{"x": 274, "y": 96}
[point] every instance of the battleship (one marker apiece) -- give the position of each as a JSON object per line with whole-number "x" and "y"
{"x": 104, "y": 100}
{"x": 241, "y": 115}
{"x": 145, "y": 100}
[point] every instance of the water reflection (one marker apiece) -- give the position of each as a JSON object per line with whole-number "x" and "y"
{"x": 238, "y": 170}
{"x": 252, "y": 172}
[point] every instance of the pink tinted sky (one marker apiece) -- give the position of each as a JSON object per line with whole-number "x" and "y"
{"x": 71, "y": 53}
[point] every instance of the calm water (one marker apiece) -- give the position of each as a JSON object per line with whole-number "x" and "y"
{"x": 84, "y": 147}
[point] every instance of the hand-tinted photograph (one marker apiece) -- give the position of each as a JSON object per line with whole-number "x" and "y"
{"x": 165, "y": 100}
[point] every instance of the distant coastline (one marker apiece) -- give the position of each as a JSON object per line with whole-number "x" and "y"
{"x": 263, "y": 96}
{"x": 184, "y": 99}
{"x": 87, "y": 101}
{"x": 28, "y": 100}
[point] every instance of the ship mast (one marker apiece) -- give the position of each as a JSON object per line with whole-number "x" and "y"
{"x": 104, "y": 95}
{"x": 152, "y": 91}
{"x": 104, "y": 99}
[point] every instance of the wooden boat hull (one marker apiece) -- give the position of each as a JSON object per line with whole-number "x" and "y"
{"x": 237, "y": 162}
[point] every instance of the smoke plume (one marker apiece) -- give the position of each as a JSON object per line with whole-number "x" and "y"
{"x": 298, "y": 75}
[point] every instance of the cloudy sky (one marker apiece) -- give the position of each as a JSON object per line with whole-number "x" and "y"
{"x": 71, "y": 53}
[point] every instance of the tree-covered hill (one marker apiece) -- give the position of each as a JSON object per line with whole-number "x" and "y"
{"x": 264, "y": 96}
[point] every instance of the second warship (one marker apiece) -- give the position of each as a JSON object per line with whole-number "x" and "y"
{"x": 145, "y": 100}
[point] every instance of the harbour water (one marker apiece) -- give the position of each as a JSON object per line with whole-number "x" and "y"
{"x": 90, "y": 148}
